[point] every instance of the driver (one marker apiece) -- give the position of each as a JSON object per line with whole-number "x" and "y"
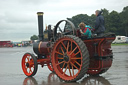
{"x": 85, "y": 30}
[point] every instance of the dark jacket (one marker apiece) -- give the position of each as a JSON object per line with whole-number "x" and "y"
{"x": 99, "y": 25}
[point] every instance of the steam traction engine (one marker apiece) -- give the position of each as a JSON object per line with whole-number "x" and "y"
{"x": 68, "y": 53}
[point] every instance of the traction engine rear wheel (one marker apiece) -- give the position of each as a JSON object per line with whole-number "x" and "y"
{"x": 29, "y": 64}
{"x": 70, "y": 58}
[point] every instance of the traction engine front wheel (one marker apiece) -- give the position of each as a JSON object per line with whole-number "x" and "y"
{"x": 70, "y": 58}
{"x": 29, "y": 64}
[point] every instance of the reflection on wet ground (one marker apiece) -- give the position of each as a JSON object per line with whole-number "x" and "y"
{"x": 53, "y": 79}
{"x": 11, "y": 71}
{"x": 50, "y": 79}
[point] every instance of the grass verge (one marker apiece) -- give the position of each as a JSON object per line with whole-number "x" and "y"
{"x": 119, "y": 44}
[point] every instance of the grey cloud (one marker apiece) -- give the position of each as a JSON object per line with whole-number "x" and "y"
{"x": 18, "y": 18}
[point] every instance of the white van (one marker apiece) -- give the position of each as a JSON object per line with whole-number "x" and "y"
{"x": 120, "y": 39}
{"x": 126, "y": 39}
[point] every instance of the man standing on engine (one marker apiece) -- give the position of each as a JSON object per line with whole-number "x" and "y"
{"x": 99, "y": 24}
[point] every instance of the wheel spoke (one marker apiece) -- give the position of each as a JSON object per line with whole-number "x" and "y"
{"x": 63, "y": 66}
{"x": 77, "y": 63}
{"x": 72, "y": 70}
{"x": 62, "y": 50}
{"x": 60, "y": 58}
{"x": 67, "y": 46}
{"x": 25, "y": 62}
{"x": 59, "y": 63}
{"x": 73, "y": 50}
{"x": 30, "y": 70}
{"x": 76, "y": 58}
{"x": 58, "y": 53}
{"x": 71, "y": 45}
{"x": 69, "y": 70}
{"x": 77, "y": 53}
{"x": 74, "y": 65}
{"x": 63, "y": 45}
{"x": 26, "y": 68}
{"x": 65, "y": 69}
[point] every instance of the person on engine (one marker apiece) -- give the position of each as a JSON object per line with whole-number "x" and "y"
{"x": 99, "y": 24}
{"x": 85, "y": 30}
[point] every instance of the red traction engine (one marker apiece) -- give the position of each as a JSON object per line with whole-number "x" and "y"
{"x": 68, "y": 53}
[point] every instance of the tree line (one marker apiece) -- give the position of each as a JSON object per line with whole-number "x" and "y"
{"x": 114, "y": 22}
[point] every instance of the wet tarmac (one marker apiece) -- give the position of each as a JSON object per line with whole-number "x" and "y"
{"x": 11, "y": 72}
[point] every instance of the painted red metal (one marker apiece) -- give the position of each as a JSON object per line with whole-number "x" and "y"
{"x": 66, "y": 61}
{"x": 29, "y": 64}
{"x": 69, "y": 56}
{"x": 100, "y": 54}
{"x": 6, "y": 44}
{"x": 43, "y": 48}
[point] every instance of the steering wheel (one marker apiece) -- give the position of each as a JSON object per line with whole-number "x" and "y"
{"x": 70, "y": 28}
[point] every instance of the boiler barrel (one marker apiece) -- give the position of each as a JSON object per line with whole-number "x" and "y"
{"x": 41, "y": 48}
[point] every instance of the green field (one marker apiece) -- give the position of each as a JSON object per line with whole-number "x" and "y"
{"x": 119, "y": 44}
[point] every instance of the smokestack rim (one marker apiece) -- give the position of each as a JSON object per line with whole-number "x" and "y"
{"x": 40, "y": 13}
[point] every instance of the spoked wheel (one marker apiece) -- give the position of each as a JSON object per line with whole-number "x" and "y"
{"x": 29, "y": 64}
{"x": 68, "y": 29}
{"x": 70, "y": 58}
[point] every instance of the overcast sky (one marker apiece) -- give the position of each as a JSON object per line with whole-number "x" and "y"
{"x": 18, "y": 18}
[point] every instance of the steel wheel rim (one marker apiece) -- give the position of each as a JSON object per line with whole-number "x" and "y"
{"x": 28, "y": 64}
{"x": 69, "y": 72}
